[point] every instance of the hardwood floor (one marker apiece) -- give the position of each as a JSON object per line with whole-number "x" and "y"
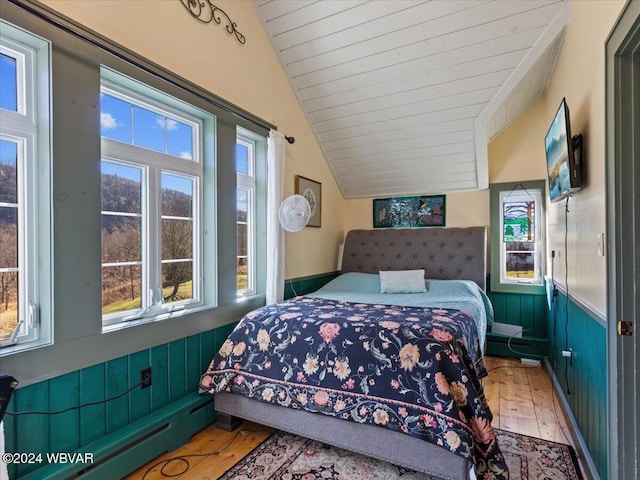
{"x": 521, "y": 399}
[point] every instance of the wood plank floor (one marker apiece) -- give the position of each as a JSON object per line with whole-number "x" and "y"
{"x": 521, "y": 399}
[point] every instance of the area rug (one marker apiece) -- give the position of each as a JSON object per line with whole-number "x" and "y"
{"x": 284, "y": 456}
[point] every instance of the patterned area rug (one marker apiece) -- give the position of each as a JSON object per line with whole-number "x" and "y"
{"x": 288, "y": 457}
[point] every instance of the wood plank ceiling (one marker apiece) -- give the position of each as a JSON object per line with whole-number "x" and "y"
{"x": 403, "y": 96}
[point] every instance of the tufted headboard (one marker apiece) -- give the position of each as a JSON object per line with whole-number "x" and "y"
{"x": 444, "y": 253}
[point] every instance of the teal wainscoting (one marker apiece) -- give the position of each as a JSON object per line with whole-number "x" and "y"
{"x": 583, "y": 378}
{"x": 131, "y": 429}
{"x": 304, "y": 285}
{"x": 126, "y": 432}
{"x": 526, "y": 310}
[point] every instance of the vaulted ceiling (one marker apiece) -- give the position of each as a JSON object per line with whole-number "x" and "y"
{"x": 404, "y": 96}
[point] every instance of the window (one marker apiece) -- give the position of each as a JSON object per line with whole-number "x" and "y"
{"x": 517, "y": 236}
{"x": 151, "y": 177}
{"x": 24, "y": 190}
{"x": 164, "y": 251}
{"x": 245, "y": 218}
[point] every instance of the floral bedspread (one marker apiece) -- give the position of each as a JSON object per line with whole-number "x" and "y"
{"x": 409, "y": 369}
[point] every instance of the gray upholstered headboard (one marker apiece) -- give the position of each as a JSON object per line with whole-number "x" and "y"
{"x": 444, "y": 253}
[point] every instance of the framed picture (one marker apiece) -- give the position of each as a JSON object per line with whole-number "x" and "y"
{"x": 312, "y": 191}
{"x": 402, "y": 212}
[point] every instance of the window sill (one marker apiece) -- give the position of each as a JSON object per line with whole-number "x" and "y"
{"x": 153, "y": 319}
{"x": 525, "y": 289}
{"x": 248, "y": 298}
{"x": 11, "y": 349}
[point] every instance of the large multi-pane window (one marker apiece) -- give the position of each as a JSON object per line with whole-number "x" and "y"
{"x": 24, "y": 180}
{"x": 151, "y": 177}
{"x": 128, "y": 167}
{"x": 517, "y": 235}
{"x": 245, "y": 214}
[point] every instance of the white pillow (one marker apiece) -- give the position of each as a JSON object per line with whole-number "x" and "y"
{"x": 402, "y": 281}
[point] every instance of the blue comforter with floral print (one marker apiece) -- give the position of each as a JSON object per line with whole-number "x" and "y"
{"x": 411, "y": 369}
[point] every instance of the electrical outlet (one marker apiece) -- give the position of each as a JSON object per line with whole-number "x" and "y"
{"x": 145, "y": 377}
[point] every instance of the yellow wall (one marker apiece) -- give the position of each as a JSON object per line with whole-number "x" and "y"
{"x": 249, "y": 75}
{"x": 579, "y": 76}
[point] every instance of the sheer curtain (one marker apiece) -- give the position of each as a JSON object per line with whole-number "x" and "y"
{"x": 275, "y": 235}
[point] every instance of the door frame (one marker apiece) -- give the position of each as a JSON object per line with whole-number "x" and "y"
{"x": 623, "y": 231}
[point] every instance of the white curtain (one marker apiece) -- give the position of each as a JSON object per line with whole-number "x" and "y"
{"x": 275, "y": 235}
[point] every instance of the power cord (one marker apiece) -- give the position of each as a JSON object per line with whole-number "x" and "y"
{"x": 554, "y": 306}
{"x": 511, "y": 349}
{"x": 182, "y": 459}
{"x": 566, "y": 302}
{"x": 513, "y": 367}
{"x": 77, "y": 407}
{"x": 293, "y": 290}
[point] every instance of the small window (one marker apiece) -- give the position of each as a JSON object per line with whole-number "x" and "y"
{"x": 147, "y": 127}
{"x": 517, "y": 236}
{"x": 245, "y": 215}
{"x": 151, "y": 173}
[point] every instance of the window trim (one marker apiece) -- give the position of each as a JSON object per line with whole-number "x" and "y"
{"x": 497, "y": 257}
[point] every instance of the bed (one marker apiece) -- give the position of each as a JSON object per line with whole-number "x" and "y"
{"x": 395, "y": 376}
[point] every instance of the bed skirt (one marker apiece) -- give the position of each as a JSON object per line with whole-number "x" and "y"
{"x": 383, "y": 444}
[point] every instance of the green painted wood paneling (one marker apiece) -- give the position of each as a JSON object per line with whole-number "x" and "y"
{"x": 526, "y": 310}
{"x": 117, "y": 383}
{"x": 92, "y": 389}
{"x": 31, "y": 431}
{"x": 583, "y": 377}
{"x": 139, "y": 399}
{"x": 64, "y": 392}
{"x": 307, "y": 285}
{"x": 193, "y": 362}
{"x": 206, "y": 349}
{"x": 176, "y": 369}
{"x": 159, "y": 376}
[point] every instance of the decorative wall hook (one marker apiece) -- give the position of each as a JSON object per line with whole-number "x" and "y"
{"x": 291, "y": 140}
{"x": 206, "y": 12}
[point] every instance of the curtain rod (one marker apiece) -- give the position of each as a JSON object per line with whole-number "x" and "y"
{"x": 97, "y": 40}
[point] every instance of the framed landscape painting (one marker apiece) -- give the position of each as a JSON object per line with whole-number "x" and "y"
{"x": 402, "y": 212}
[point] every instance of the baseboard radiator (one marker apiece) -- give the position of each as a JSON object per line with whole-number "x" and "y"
{"x": 128, "y": 448}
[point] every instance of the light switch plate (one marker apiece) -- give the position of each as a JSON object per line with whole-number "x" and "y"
{"x": 600, "y": 244}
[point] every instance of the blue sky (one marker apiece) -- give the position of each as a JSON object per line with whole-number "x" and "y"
{"x": 122, "y": 121}
{"x": 8, "y": 94}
